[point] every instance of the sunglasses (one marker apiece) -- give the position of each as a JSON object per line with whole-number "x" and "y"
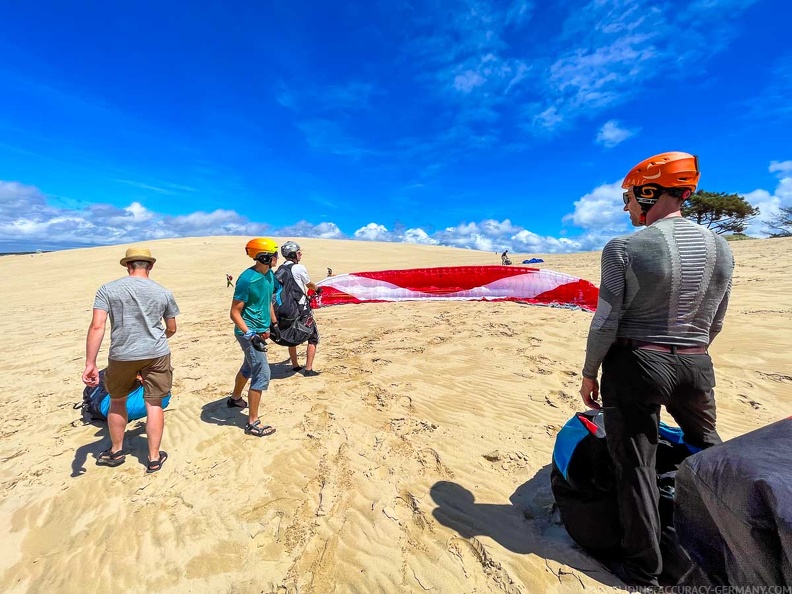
{"x": 626, "y": 198}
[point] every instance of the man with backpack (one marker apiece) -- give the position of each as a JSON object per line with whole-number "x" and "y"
{"x": 301, "y": 283}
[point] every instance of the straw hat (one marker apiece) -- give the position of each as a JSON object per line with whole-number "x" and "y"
{"x": 137, "y": 254}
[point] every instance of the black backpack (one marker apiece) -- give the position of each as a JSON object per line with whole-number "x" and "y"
{"x": 91, "y": 405}
{"x": 583, "y": 481}
{"x": 295, "y": 320}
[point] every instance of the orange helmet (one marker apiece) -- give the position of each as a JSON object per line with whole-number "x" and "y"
{"x": 261, "y": 246}
{"x": 667, "y": 170}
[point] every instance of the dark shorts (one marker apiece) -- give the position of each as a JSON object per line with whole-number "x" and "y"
{"x": 314, "y": 337}
{"x": 156, "y": 375}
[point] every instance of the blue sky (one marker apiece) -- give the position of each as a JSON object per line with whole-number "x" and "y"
{"x": 473, "y": 123}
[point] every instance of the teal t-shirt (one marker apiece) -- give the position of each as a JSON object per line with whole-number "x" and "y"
{"x": 255, "y": 289}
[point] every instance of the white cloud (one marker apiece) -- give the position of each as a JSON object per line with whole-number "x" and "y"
{"x": 28, "y": 222}
{"x": 519, "y": 12}
{"x": 612, "y": 134}
{"x": 468, "y": 80}
{"x": 373, "y": 232}
{"x": 781, "y": 166}
{"x": 161, "y": 187}
{"x": 602, "y": 208}
{"x": 306, "y": 229}
{"x": 609, "y": 51}
{"x": 549, "y": 119}
{"x": 418, "y": 236}
{"x": 489, "y": 72}
{"x": 770, "y": 204}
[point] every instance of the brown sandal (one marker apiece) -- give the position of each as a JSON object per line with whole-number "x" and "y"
{"x": 258, "y": 429}
{"x": 155, "y": 465}
{"x": 110, "y": 458}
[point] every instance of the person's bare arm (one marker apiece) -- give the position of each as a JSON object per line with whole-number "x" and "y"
{"x": 236, "y": 315}
{"x": 93, "y": 341}
{"x": 170, "y": 327}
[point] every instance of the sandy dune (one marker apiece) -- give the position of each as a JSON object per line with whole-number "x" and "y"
{"x": 376, "y": 479}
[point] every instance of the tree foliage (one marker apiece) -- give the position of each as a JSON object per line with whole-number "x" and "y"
{"x": 718, "y": 211}
{"x": 781, "y": 227}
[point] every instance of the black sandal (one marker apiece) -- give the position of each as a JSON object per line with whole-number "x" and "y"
{"x": 110, "y": 458}
{"x": 258, "y": 429}
{"x": 155, "y": 465}
{"x": 236, "y": 402}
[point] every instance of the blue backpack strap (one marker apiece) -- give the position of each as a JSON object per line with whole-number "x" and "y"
{"x": 676, "y": 436}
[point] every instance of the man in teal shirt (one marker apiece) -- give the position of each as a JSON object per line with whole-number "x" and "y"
{"x": 254, "y": 319}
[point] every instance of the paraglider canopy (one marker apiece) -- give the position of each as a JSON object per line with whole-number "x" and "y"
{"x": 490, "y": 283}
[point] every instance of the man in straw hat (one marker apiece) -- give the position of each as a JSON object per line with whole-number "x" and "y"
{"x": 137, "y": 307}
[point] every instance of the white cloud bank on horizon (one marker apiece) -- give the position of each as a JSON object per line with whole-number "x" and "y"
{"x": 28, "y": 222}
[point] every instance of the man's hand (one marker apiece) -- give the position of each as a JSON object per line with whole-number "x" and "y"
{"x": 275, "y": 333}
{"x": 90, "y": 376}
{"x": 589, "y": 390}
{"x": 258, "y": 342}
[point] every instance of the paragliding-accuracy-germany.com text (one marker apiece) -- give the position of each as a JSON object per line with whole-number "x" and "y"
{"x": 717, "y": 589}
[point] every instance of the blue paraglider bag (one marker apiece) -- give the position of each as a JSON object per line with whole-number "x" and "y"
{"x": 96, "y": 402}
{"x": 583, "y": 482}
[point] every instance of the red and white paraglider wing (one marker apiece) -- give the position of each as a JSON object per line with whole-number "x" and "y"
{"x": 491, "y": 283}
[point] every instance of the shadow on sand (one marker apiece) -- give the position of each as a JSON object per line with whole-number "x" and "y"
{"x": 134, "y": 445}
{"x": 528, "y": 524}
{"x": 282, "y": 369}
{"x": 218, "y": 413}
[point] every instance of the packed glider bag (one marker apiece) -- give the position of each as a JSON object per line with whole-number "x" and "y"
{"x": 583, "y": 481}
{"x": 295, "y": 320}
{"x": 733, "y": 509}
{"x": 96, "y": 401}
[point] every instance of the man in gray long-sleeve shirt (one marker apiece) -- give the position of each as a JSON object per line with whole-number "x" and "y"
{"x": 663, "y": 296}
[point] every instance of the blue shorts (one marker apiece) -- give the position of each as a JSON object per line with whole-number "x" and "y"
{"x": 256, "y": 367}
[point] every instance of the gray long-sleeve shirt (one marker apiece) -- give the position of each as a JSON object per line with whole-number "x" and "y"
{"x": 667, "y": 284}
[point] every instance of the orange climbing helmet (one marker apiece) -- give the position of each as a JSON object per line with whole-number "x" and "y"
{"x": 667, "y": 170}
{"x": 261, "y": 246}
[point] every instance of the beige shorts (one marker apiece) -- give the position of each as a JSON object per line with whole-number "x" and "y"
{"x": 157, "y": 375}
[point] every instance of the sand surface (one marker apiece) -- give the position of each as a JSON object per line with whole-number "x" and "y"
{"x": 376, "y": 480}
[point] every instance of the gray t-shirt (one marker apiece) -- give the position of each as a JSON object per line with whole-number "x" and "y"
{"x": 667, "y": 284}
{"x": 136, "y": 307}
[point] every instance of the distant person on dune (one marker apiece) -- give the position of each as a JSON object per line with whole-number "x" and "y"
{"x": 137, "y": 307}
{"x": 663, "y": 297}
{"x": 505, "y": 259}
{"x": 229, "y": 280}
